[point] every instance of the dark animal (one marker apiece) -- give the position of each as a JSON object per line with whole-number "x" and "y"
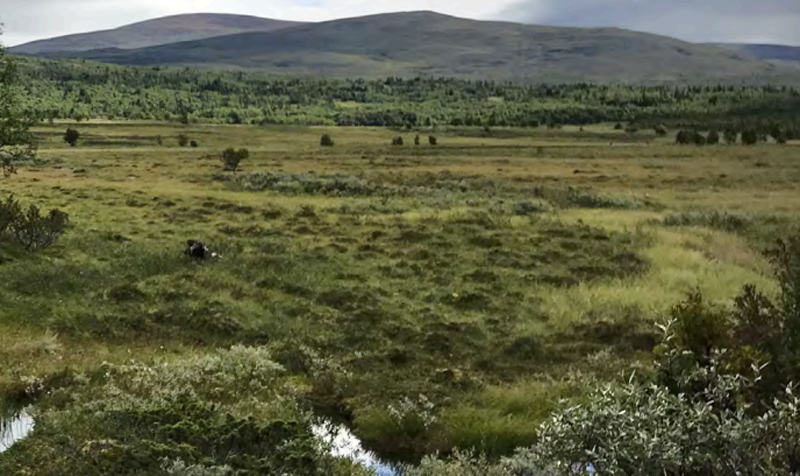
{"x": 197, "y": 249}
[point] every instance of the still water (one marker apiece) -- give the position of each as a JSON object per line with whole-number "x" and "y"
{"x": 14, "y": 427}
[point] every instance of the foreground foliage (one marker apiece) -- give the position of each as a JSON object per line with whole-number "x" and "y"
{"x": 231, "y": 412}
{"x": 720, "y": 399}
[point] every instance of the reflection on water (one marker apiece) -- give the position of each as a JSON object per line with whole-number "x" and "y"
{"x": 13, "y": 428}
{"x": 345, "y": 444}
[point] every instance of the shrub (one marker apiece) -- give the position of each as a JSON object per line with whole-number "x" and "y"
{"x": 326, "y": 141}
{"x": 618, "y": 126}
{"x": 730, "y": 136}
{"x": 661, "y": 131}
{"x": 721, "y": 220}
{"x": 183, "y": 140}
{"x": 713, "y": 137}
{"x": 631, "y": 130}
{"x": 232, "y": 157}
{"x": 689, "y": 137}
{"x": 229, "y": 412}
{"x": 416, "y": 139}
{"x": 10, "y": 211}
{"x": 432, "y": 140}
{"x": 29, "y": 228}
{"x": 749, "y": 137}
{"x": 71, "y": 137}
{"x": 638, "y": 429}
{"x": 193, "y": 143}
{"x": 397, "y": 140}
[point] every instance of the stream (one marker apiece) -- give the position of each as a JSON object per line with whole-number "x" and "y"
{"x": 14, "y": 427}
{"x": 345, "y": 444}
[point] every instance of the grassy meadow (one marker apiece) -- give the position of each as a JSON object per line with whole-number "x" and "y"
{"x": 431, "y": 296}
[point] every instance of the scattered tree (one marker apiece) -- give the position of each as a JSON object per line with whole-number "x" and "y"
{"x": 689, "y": 137}
{"x": 416, "y": 139}
{"x": 749, "y": 137}
{"x": 730, "y": 136}
{"x": 71, "y": 137}
{"x": 17, "y": 143}
{"x": 232, "y": 157}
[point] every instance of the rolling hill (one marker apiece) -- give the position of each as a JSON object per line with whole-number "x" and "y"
{"x": 159, "y": 31}
{"x": 772, "y": 53}
{"x": 428, "y": 43}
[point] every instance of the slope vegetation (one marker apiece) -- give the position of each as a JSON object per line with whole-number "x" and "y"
{"x": 767, "y": 52}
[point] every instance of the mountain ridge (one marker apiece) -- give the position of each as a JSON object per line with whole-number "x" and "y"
{"x": 765, "y": 51}
{"x": 423, "y": 42}
{"x": 155, "y": 32}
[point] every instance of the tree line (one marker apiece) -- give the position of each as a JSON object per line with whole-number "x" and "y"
{"x": 80, "y": 90}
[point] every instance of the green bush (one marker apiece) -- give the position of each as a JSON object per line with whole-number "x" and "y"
{"x": 640, "y": 429}
{"x": 689, "y": 137}
{"x": 183, "y": 140}
{"x": 231, "y": 158}
{"x": 71, "y": 137}
{"x": 233, "y": 411}
{"x": 326, "y": 141}
{"x": 29, "y": 228}
{"x": 749, "y": 137}
{"x": 721, "y": 220}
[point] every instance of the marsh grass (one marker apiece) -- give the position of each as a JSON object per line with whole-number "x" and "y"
{"x": 476, "y": 273}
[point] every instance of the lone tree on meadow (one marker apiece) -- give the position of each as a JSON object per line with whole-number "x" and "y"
{"x": 17, "y": 143}
{"x": 232, "y": 157}
{"x": 71, "y": 137}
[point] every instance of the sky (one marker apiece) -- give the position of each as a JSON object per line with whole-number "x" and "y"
{"x": 767, "y": 21}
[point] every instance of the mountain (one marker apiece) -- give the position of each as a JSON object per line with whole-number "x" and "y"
{"x": 428, "y": 43}
{"x": 774, "y": 53}
{"x": 155, "y": 32}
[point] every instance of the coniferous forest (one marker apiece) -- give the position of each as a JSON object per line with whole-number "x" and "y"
{"x": 81, "y": 90}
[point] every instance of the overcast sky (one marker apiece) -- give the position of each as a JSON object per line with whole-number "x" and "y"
{"x": 695, "y": 20}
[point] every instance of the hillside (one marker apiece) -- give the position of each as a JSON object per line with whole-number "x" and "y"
{"x": 426, "y": 43}
{"x": 159, "y": 31}
{"x": 772, "y": 53}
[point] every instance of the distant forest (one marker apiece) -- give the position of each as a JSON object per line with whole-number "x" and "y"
{"x": 82, "y": 90}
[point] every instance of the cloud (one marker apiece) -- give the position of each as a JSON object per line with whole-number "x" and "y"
{"x": 28, "y": 20}
{"x": 768, "y": 21}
